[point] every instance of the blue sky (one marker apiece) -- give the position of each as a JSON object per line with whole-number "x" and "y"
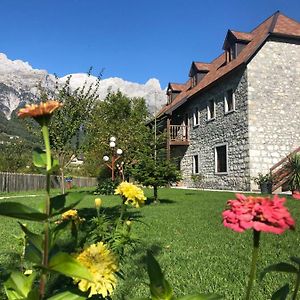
{"x": 134, "y": 39}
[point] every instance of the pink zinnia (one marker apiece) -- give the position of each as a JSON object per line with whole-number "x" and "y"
{"x": 296, "y": 195}
{"x": 258, "y": 213}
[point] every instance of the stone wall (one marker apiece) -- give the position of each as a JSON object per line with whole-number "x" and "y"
{"x": 274, "y": 104}
{"x": 231, "y": 128}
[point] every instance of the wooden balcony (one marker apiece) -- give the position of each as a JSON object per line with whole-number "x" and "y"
{"x": 178, "y": 135}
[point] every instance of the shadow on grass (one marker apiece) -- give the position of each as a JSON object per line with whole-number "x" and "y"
{"x": 112, "y": 212}
{"x": 135, "y": 269}
{"x": 150, "y": 201}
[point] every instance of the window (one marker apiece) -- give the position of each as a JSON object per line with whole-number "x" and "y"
{"x": 210, "y": 109}
{"x": 196, "y": 164}
{"x": 221, "y": 159}
{"x": 196, "y": 116}
{"x": 194, "y": 80}
{"x": 229, "y": 101}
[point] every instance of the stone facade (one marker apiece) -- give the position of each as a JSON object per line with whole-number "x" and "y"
{"x": 229, "y": 129}
{"x": 274, "y": 104}
{"x": 263, "y": 128}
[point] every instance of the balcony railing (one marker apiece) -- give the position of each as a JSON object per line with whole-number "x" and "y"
{"x": 178, "y": 135}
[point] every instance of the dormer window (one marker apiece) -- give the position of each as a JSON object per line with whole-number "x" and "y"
{"x": 173, "y": 90}
{"x": 234, "y": 43}
{"x": 194, "y": 80}
{"x": 198, "y": 71}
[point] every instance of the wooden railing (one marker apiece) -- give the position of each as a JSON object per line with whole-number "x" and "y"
{"x": 178, "y": 134}
{"x": 280, "y": 174}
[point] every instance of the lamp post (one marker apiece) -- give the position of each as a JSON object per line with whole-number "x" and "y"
{"x": 115, "y": 155}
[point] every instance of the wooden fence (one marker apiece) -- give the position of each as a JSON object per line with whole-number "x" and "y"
{"x": 15, "y": 182}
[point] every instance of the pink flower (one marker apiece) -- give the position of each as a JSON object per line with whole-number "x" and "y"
{"x": 296, "y": 195}
{"x": 258, "y": 213}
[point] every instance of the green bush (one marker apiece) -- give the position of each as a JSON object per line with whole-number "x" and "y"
{"x": 107, "y": 186}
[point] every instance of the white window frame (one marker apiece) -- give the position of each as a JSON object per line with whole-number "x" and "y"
{"x": 226, "y": 102}
{"x": 196, "y": 116}
{"x": 209, "y": 117}
{"x": 194, "y": 164}
{"x": 216, "y": 159}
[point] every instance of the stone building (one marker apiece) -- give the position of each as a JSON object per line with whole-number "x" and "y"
{"x": 238, "y": 115}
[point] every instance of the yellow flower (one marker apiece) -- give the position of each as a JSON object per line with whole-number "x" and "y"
{"x": 98, "y": 202}
{"x": 71, "y": 215}
{"x": 103, "y": 265}
{"x": 39, "y": 110}
{"x": 131, "y": 193}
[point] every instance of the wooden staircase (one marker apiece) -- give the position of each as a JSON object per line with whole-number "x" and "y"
{"x": 280, "y": 174}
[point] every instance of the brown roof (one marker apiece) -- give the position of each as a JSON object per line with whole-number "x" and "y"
{"x": 201, "y": 66}
{"x": 276, "y": 24}
{"x": 242, "y": 36}
{"x": 286, "y": 26}
{"x": 179, "y": 87}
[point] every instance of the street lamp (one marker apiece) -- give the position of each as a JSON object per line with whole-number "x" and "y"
{"x": 115, "y": 155}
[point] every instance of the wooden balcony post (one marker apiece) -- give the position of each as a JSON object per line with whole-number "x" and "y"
{"x": 168, "y": 139}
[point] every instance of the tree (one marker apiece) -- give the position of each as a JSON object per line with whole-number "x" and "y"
{"x": 152, "y": 168}
{"x": 119, "y": 116}
{"x": 68, "y": 125}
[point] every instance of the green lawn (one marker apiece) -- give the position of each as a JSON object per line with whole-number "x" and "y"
{"x": 197, "y": 253}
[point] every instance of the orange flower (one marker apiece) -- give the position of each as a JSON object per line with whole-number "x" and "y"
{"x": 39, "y": 110}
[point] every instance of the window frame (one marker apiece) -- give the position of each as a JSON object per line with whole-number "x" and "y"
{"x": 196, "y": 164}
{"x": 209, "y": 117}
{"x": 226, "y": 110}
{"x": 196, "y": 116}
{"x": 216, "y": 159}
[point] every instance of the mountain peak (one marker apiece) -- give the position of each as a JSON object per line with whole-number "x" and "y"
{"x": 19, "y": 83}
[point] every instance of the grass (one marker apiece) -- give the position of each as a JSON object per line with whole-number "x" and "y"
{"x": 194, "y": 249}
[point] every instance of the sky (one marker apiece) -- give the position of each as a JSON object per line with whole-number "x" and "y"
{"x": 132, "y": 39}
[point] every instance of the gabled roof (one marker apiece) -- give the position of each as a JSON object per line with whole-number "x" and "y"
{"x": 238, "y": 36}
{"x": 277, "y": 24}
{"x": 242, "y": 36}
{"x": 176, "y": 87}
{"x": 200, "y": 67}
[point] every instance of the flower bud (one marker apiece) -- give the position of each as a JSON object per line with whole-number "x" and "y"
{"x": 128, "y": 223}
{"x": 98, "y": 202}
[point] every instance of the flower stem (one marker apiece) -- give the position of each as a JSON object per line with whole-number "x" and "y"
{"x": 123, "y": 210}
{"x": 297, "y": 286}
{"x": 43, "y": 279}
{"x": 256, "y": 237}
{"x": 45, "y": 132}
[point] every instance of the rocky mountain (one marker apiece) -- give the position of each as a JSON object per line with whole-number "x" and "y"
{"x": 19, "y": 83}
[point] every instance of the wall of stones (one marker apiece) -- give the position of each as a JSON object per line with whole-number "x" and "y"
{"x": 274, "y": 104}
{"x": 231, "y": 128}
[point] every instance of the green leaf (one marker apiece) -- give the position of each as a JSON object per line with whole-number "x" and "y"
{"x": 34, "y": 245}
{"x": 154, "y": 271}
{"x": 65, "y": 264}
{"x": 20, "y": 211}
{"x": 282, "y": 293}
{"x": 159, "y": 286}
{"x": 71, "y": 199}
{"x": 69, "y": 295}
{"x": 201, "y": 297}
{"x": 33, "y": 295}
{"x": 18, "y": 285}
{"x": 280, "y": 267}
{"x": 35, "y": 239}
{"x": 295, "y": 260}
{"x": 39, "y": 158}
{"x": 57, "y": 203}
{"x": 32, "y": 254}
{"x": 54, "y": 165}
